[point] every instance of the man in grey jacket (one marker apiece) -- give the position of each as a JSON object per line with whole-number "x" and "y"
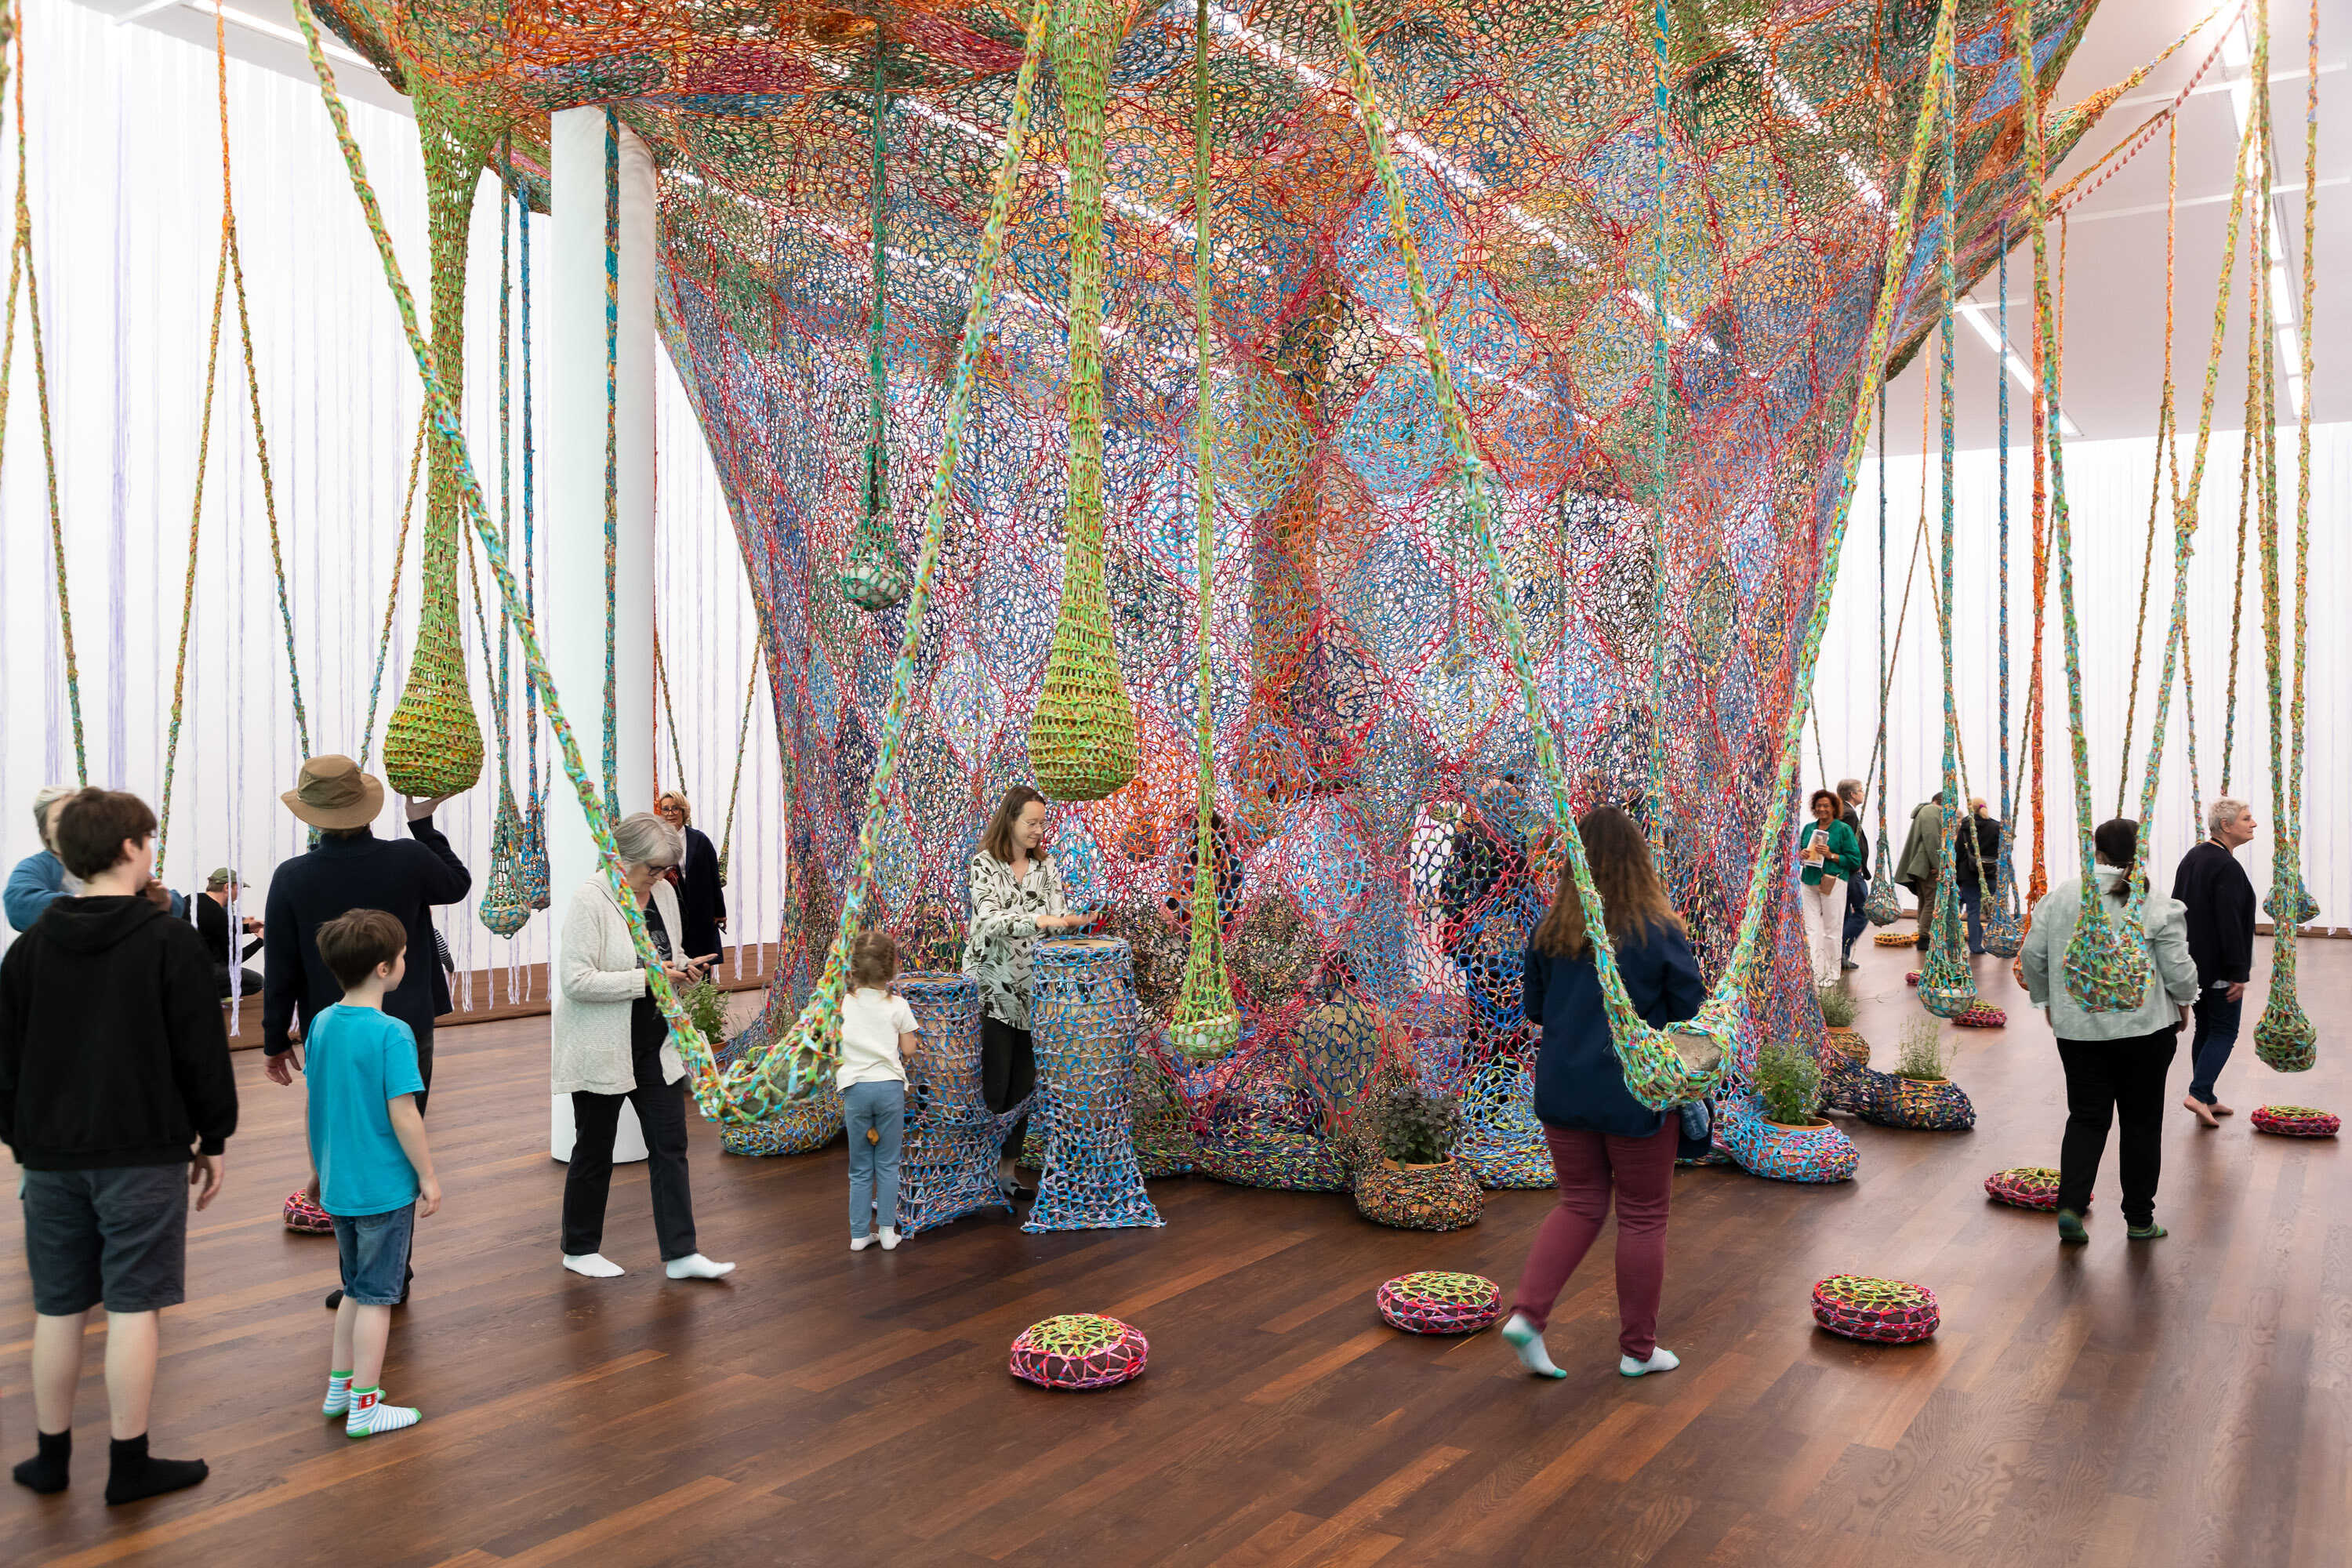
{"x": 2116, "y": 1061}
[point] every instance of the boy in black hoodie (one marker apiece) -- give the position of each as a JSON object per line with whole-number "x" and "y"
{"x": 113, "y": 1063}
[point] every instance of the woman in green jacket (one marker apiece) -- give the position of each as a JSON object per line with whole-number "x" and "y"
{"x": 1831, "y": 853}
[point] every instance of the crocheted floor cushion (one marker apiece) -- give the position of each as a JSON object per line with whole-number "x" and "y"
{"x": 799, "y": 1127}
{"x": 2026, "y": 1187}
{"x": 1895, "y": 938}
{"x": 1079, "y": 1350}
{"x": 1419, "y": 1197}
{"x": 2295, "y": 1122}
{"x": 1982, "y": 1015}
{"x": 1435, "y": 1301}
{"x": 305, "y": 1217}
{"x": 1912, "y": 978}
{"x": 1882, "y": 1311}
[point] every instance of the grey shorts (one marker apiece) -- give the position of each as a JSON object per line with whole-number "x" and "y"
{"x": 118, "y": 1235}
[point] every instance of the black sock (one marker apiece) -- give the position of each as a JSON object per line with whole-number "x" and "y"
{"x": 133, "y": 1474}
{"x": 46, "y": 1471}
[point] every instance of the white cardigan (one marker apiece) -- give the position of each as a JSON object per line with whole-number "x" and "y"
{"x": 597, "y": 980}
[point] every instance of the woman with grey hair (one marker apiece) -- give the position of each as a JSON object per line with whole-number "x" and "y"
{"x": 610, "y": 1043}
{"x": 40, "y": 878}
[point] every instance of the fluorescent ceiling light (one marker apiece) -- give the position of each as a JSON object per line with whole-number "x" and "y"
{"x": 1978, "y": 317}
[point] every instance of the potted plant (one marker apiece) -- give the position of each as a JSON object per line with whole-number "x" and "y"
{"x": 1784, "y": 1134}
{"x": 1789, "y": 1081}
{"x": 1414, "y": 1183}
{"x": 705, "y": 1006}
{"x": 1838, "y": 1010}
{"x": 1917, "y": 1094}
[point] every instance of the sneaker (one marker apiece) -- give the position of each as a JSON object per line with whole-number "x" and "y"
{"x": 2070, "y": 1226}
{"x": 2148, "y": 1232}
{"x": 1849, "y": 963}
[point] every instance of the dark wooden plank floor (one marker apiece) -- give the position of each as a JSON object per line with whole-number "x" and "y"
{"x": 2180, "y": 1403}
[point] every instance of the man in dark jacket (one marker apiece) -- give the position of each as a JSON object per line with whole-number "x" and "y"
{"x": 221, "y": 890}
{"x": 351, "y": 868}
{"x": 1857, "y": 891}
{"x": 2221, "y": 917}
{"x": 113, "y": 1066}
{"x": 1976, "y": 851}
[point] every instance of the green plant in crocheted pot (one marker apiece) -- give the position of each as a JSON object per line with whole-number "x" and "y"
{"x": 1416, "y": 1126}
{"x": 1789, "y": 1081}
{"x": 1920, "y": 1053}
{"x": 1082, "y": 739}
{"x": 1839, "y": 1009}
{"x": 706, "y": 1005}
{"x": 432, "y": 744}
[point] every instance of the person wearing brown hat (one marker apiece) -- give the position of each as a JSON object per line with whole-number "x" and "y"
{"x": 351, "y": 868}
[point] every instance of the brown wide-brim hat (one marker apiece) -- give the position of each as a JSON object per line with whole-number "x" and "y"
{"x": 332, "y": 792}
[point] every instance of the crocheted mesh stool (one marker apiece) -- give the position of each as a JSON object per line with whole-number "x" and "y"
{"x": 1082, "y": 1017}
{"x": 1882, "y": 1311}
{"x": 305, "y": 1218}
{"x": 1435, "y": 1301}
{"x": 948, "y": 1169}
{"x": 2026, "y": 1187}
{"x": 1081, "y": 1350}
{"x": 1419, "y": 1197}
{"x": 1895, "y": 938}
{"x": 1822, "y": 1153}
{"x": 2286, "y": 1120}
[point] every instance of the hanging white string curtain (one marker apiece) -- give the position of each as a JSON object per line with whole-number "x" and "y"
{"x": 125, "y": 195}
{"x": 2107, "y": 488}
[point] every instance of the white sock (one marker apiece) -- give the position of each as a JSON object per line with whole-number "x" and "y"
{"x": 594, "y": 1265}
{"x": 860, "y": 1243}
{"x": 1661, "y": 1359}
{"x": 890, "y": 1237}
{"x": 1526, "y": 1344}
{"x": 370, "y": 1415}
{"x": 694, "y": 1266}
{"x": 339, "y": 1395}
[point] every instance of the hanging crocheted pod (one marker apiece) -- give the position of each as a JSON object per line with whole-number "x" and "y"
{"x": 531, "y": 872}
{"x": 874, "y": 575}
{"x": 1082, "y": 741}
{"x": 432, "y": 744}
{"x": 1947, "y": 987}
{"x": 1884, "y": 907}
{"x": 2106, "y": 962}
{"x": 504, "y": 908}
{"x": 2289, "y": 892}
{"x": 2285, "y": 1040}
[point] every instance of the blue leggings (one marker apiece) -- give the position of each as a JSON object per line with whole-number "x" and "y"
{"x": 880, "y": 1107}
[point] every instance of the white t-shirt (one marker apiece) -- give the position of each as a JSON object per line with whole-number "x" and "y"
{"x": 871, "y": 1023}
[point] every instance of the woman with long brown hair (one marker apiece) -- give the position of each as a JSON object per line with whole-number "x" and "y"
{"x": 1016, "y": 896}
{"x": 1604, "y": 1144}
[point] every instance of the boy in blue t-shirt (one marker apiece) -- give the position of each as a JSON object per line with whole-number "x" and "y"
{"x": 367, "y": 1141}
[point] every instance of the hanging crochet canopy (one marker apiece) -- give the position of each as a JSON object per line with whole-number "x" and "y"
{"x": 1653, "y": 262}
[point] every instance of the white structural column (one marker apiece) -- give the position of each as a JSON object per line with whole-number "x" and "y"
{"x": 573, "y": 620}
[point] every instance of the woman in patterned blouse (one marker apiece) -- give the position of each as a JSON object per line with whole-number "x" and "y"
{"x": 1016, "y": 896}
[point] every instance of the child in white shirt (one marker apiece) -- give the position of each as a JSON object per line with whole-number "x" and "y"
{"x": 877, "y": 1031}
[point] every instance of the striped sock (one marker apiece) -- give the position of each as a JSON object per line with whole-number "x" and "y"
{"x": 339, "y": 1395}
{"x": 370, "y": 1415}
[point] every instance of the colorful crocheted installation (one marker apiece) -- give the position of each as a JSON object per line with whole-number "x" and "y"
{"x": 2295, "y": 1122}
{"x": 1164, "y": 1145}
{"x": 1419, "y": 1197}
{"x": 1922, "y": 1105}
{"x": 1818, "y": 1153}
{"x": 949, "y": 1168}
{"x": 1846, "y": 1044}
{"x": 1263, "y": 1128}
{"x": 1436, "y": 1301}
{"x": 1080, "y": 1351}
{"x": 1981, "y": 1014}
{"x": 1898, "y": 939}
{"x": 1881, "y": 1311}
{"x": 1082, "y": 1015}
{"x": 799, "y": 1127}
{"x": 1635, "y": 460}
{"x": 1504, "y": 1142}
{"x": 2026, "y": 1187}
{"x": 305, "y": 1218}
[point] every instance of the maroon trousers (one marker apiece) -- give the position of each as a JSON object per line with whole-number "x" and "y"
{"x": 1592, "y": 1167}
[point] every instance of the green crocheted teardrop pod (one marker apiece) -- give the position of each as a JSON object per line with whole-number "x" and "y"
{"x": 505, "y": 906}
{"x": 2285, "y": 1040}
{"x": 1082, "y": 743}
{"x": 2106, "y": 962}
{"x": 874, "y": 575}
{"x": 432, "y": 744}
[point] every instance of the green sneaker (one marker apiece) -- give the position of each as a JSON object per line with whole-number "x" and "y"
{"x": 2070, "y": 1226}
{"x": 2148, "y": 1232}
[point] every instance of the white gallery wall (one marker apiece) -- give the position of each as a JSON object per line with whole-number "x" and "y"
{"x": 2109, "y": 488}
{"x": 125, "y": 198}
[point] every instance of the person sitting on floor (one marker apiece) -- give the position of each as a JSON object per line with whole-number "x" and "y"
{"x": 221, "y": 889}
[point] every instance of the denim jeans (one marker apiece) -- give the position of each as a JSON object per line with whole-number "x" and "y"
{"x": 879, "y": 1106}
{"x": 2217, "y": 1033}
{"x": 1972, "y": 905}
{"x": 1857, "y": 893}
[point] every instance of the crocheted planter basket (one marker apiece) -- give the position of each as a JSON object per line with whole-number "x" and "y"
{"x": 1079, "y": 1350}
{"x": 2026, "y": 1187}
{"x": 800, "y": 1127}
{"x": 1435, "y": 1301}
{"x": 1274, "y": 1157}
{"x": 1820, "y": 1154}
{"x": 305, "y": 1218}
{"x": 2286, "y": 1120}
{"x": 1894, "y": 938}
{"x": 1982, "y": 1015}
{"x": 1419, "y": 1197}
{"x": 1919, "y": 1105}
{"x": 1880, "y": 1311}
{"x": 1848, "y": 1044}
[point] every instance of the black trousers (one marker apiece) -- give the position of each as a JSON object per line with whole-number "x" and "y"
{"x": 423, "y": 1062}
{"x": 247, "y": 984}
{"x": 595, "y": 1118}
{"x": 1008, "y": 1074}
{"x": 2115, "y": 1081}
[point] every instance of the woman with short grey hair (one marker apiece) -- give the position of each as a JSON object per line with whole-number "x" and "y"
{"x": 40, "y": 878}
{"x": 610, "y": 1043}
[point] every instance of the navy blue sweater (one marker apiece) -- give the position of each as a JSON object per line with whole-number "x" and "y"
{"x": 1579, "y": 1084}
